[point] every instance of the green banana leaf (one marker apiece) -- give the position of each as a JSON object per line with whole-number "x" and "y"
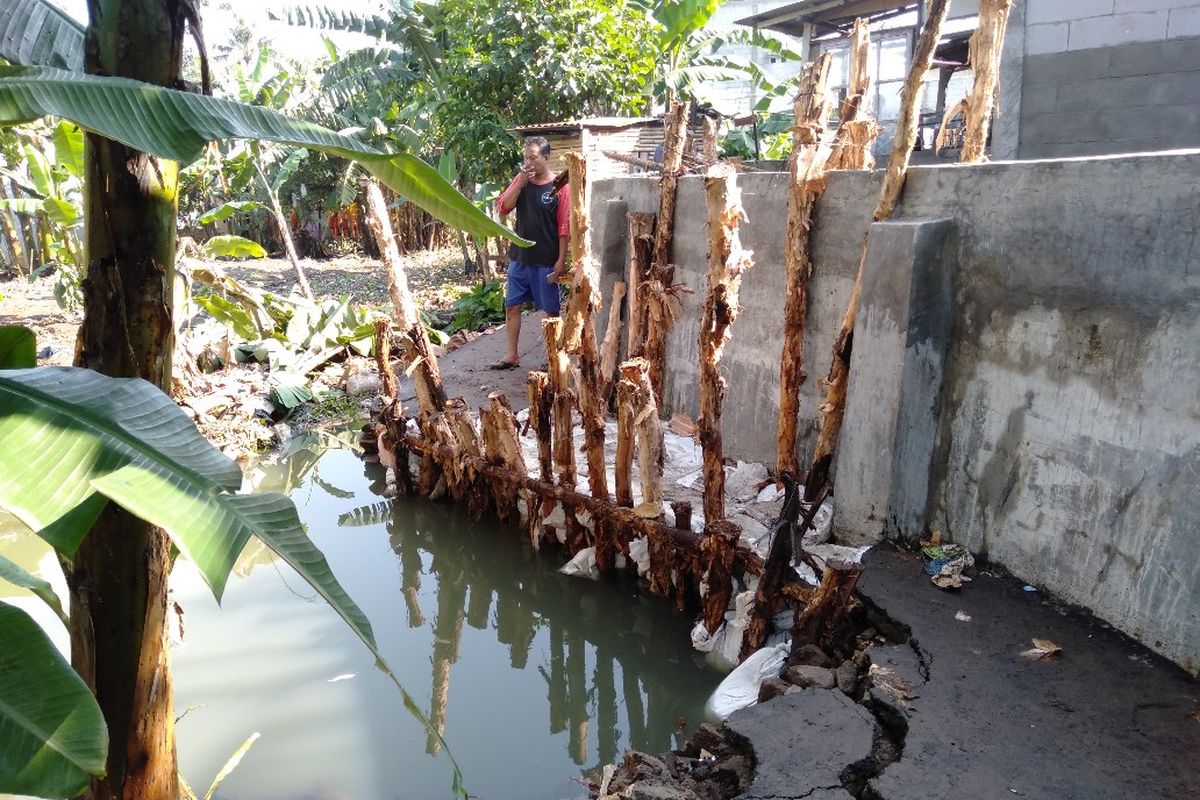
{"x": 227, "y": 210}
{"x": 177, "y": 125}
{"x": 36, "y": 32}
{"x": 53, "y": 732}
{"x": 231, "y": 314}
{"x": 93, "y": 438}
{"x": 41, "y": 589}
{"x": 68, "y": 148}
{"x": 18, "y": 347}
{"x": 233, "y": 247}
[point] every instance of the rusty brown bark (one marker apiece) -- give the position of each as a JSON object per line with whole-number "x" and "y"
{"x": 675, "y": 134}
{"x": 726, "y": 263}
{"x": 834, "y": 407}
{"x": 718, "y": 550}
{"x": 610, "y": 348}
{"x": 641, "y": 249}
{"x": 383, "y": 362}
{"x": 709, "y": 146}
{"x": 649, "y": 437}
{"x": 818, "y": 621}
{"x": 744, "y": 559}
{"x": 501, "y": 447}
{"x": 856, "y": 131}
{"x": 984, "y": 48}
{"x": 419, "y": 360}
{"x": 579, "y": 328}
{"x": 807, "y": 171}
{"x": 563, "y": 424}
{"x": 626, "y": 392}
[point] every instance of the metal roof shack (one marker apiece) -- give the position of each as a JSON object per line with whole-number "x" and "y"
{"x": 638, "y": 138}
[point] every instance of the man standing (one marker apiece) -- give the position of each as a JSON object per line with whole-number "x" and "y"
{"x": 542, "y": 217}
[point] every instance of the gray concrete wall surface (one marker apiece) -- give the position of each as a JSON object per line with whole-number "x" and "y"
{"x": 1066, "y": 430}
{"x": 1093, "y": 77}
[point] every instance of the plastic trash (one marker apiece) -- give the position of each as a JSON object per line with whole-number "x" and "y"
{"x": 740, "y": 687}
{"x": 639, "y": 551}
{"x": 582, "y": 565}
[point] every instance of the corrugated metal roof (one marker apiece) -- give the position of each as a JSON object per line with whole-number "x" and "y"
{"x": 613, "y": 123}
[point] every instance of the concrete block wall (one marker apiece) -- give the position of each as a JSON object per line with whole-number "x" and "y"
{"x": 1066, "y": 431}
{"x": 1102, "y": 76}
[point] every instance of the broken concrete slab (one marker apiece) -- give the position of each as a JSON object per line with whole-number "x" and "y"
{"x": 806, "y": 744}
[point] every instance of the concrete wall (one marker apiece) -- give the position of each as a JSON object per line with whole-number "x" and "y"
{"x": 1089, "y": 77}
{"x": 1030, "y": 384}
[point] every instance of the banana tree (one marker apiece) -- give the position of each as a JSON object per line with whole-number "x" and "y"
{"x": 53, "y": 174}
{"x": 138, "y": 133}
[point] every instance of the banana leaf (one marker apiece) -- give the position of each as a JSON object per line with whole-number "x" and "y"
{"x": 18, "y": 347}
{"x": 177, "y": 125}
{"x": 53, "y": 732}
{"x": 233, "y": 247}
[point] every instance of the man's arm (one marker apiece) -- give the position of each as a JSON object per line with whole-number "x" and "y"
{"x": 507, "y": 200}
{"x": 563, "y": 218}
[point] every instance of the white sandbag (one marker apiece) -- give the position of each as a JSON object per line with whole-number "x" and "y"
{"x": 583, "y": 564}
{"x": 639, "y": 551}
{"x": 740, "y": 687}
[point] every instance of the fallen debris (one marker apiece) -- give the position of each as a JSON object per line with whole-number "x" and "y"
{"x": 1042, "y": 649}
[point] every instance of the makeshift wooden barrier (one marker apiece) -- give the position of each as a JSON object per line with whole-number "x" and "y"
{"x": 609, "y": 350}
{"x": 807, "y": 180}
{"x": 856, "y": 131}
{"x": 834, "y": 407}
{"x": 688, "y": 541}
{"x": 641, "y": 249}
{"x": 658, "y": 324}
{"x": 984, "y": 48}
{"x": 726, "y": 263}
{"x": 579, "y": 329}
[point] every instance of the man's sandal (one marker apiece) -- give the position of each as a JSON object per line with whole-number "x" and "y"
{"x": 505, "y": 364}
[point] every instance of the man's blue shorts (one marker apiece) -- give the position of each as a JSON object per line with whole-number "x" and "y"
{"x": 527, "y": 284}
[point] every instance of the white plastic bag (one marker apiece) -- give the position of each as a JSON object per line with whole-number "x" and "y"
{"x": 740, "y": 687}
{"x": 583, "y": 564}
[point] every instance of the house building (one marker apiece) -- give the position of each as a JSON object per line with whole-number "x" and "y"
{"x": 1078, "y": 77}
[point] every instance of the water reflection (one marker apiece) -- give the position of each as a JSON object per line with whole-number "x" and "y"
{"x": 487, "y": 576}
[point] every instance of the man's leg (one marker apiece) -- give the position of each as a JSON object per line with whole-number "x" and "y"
{"x": 517, "y": 292}
{"x": 512, "y": 329}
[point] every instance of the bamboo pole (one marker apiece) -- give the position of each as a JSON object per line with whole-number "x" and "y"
{"x": 541, "y": 403}
{"x": 856, "y": 131}
{"x": 807, "y": 171}
{"x": 833, "y": 410}
{"x": 641, "y": 249}
{"x": 984, "y": 48}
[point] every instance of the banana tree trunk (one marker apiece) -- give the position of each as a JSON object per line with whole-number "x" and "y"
{"x": 118, "y": 577}
{"x": 13, "y": 233}
{"x": 285, "y": 230}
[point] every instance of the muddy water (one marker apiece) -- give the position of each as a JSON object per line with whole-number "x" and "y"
{"x": 534, "y": 678}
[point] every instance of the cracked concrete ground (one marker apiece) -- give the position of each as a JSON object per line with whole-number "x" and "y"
{"x": 1105, "y": 720}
